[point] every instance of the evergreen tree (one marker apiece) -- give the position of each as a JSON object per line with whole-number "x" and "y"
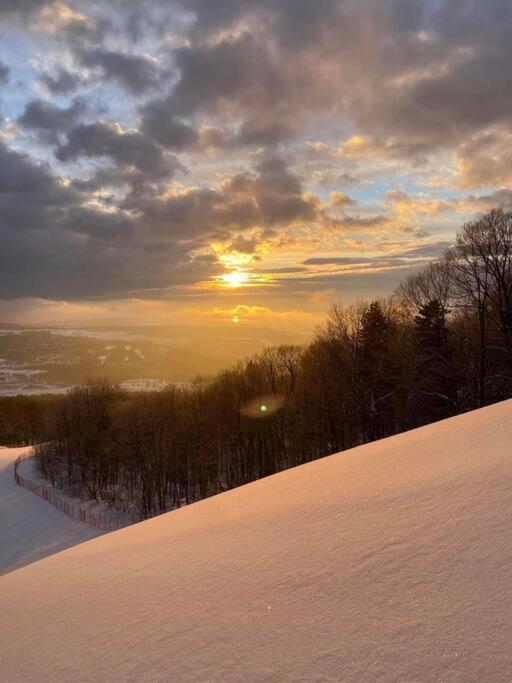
{"x": 432, "y": 334}
{"x": 433, "y": 376}
{"x": 374, "y": 371}
{"x": 374, "y": 332}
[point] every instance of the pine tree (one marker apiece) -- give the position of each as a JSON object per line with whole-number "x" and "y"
{"x": 374, "y": 332}
{"x": 433, "y": 374}
{"x": 374, "y": 371}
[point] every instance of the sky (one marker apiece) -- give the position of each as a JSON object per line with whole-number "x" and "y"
{"x": 252, "y": 160}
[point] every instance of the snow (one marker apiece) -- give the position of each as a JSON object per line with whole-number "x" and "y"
{"x": 30, "y": 528}
{"x": 91, "y": 512}
{"x": 387, "y": 562}
{"x": 147, "y": 384}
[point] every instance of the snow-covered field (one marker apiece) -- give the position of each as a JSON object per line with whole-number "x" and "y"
{"x": 388, "y": 562}
{"x": 30, "y": 528}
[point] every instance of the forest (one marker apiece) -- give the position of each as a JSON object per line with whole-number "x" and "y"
{"x": 439, "y": 346}
{"x": 24, "y": 419}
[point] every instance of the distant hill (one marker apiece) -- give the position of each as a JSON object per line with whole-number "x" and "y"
{"x": 50, "y": 359}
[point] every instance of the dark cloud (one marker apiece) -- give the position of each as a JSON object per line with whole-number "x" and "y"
{"x": 371, "y": 281}
{"x": 253, "y": 133}
{"x": 270, "y": 197}
{"x": 56, "y": 264}
{"x": 437, "y": 71}
{"x": 56, "y": 246}
{"x": 414, "y": 73}
{"x": 163, "y": 127}
{"x": 125, "y": 148}
{"x": 296, "y": 20}
{"x": 4, "y": 73}
{"x": 209, "y": 73}
{"x": 406, "y": 253}
{"x": 61, "y": 244}
{"x": 21, "y": 7}
{"x": 136, "y": 74}
{"x": 499, "y": 198}
{"x": 110, "y": 177}
{"x": 336, "y": 261}
{"x": 428, "y": 71}
{"x": 429, "y": 250}
{"x": 61, "y": 82}
{"x": 362, "y": 222}
{"x": 237, "y": 77}
{"x": 42, "y": 115}
{"x": 31, "y": 198}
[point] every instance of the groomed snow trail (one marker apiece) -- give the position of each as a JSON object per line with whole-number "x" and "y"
{"x": 392, "y": 561}
{"x": 31, "y": 528}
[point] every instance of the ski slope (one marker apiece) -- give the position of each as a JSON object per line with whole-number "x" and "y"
{"x": 30, "y": 528}
{"x": 392, "y": 561}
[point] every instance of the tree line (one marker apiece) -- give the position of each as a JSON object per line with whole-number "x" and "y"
{"x": 24, "y": 419}
{"x": 439, "y": 346}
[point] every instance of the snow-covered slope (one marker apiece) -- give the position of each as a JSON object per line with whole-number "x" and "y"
{"x": 392, "y": 561}
{"x": 30, "y": 528}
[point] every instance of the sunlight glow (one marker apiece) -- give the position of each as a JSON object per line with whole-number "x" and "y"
{"x": 235, "y": 279}
{"x": 238, "y": 278}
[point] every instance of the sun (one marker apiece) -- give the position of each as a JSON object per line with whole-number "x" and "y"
{"x": 235, "y": 279}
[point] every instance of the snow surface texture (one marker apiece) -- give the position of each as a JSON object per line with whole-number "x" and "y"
{"x": 30, "y": 528}
{"x": 388, "y": 562}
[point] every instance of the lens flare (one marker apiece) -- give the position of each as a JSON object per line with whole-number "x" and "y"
{"x": 263, "y": 406}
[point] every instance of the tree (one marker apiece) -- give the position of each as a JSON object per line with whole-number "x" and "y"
{"x": 434, "y": 282}
{"x": 374, "y": 370}
{"x": 433, "y": 375}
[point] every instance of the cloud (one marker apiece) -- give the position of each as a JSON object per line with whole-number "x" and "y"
{"x": 133, "y": 72}
{"x": 124, "y": 147}
{"x": 258, "y": 315}
{"x": 16, "y": 8}
{"x": 336, "y": 261}
{"x": 62, "y": 81}
{"x": 409, "y": 208}
{"x": 189, "y": 151}
{"x": 270, "y": 197}
{"x": 30, "y": 197}
{"x": 485, "y": 159}
{"x": 235, "y": 74}
{"x": 4, "y": 73}
{"x": 61, "y": 18}
{"x": 57, "y": 245}
{"x": 363, "y": 223}
{"x": 341, "y": 200}
{"x": 159, "y": 124}
{"x": 44, "y": 116}
{"x": 501, "y": 198}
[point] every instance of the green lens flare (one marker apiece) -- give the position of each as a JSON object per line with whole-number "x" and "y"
{"x": 263, "y": 408}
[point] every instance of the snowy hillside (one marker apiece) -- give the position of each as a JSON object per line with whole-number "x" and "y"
{"x": 388, "y": 562}
{"x": 30, "y": 528}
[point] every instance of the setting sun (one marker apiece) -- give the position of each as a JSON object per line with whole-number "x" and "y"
{"x": 235, "y": 279}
